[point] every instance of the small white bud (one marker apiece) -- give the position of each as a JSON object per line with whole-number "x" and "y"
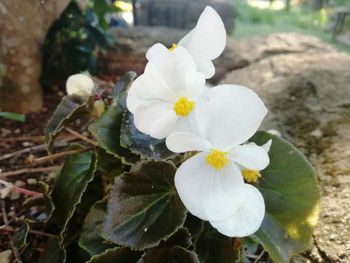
{"x": 79, "y": 85}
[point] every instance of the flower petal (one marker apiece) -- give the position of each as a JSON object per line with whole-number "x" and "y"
{"x": 208, "y": 38}
{"x": 248, "y": 218}
{"x": 155, "y": 119}
{"x": 157, "y": 49}
{"x": 228, "y": 115}
{"x": 174, "y": 72}
{"x": 250, "y": 156}
{"x": 138, "y": 94}
{"x": 208, "y": 193}
{"x": 180, "y": 142}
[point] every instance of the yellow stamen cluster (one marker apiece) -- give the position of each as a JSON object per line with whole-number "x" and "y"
{"x": 217, "y": 159}
{"x": 173, "y": 47}
{"x": 251, "y": 176}
{"x": 183, "y": 107}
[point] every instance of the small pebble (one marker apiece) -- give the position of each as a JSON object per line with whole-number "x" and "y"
{"x": 32, "y": 181}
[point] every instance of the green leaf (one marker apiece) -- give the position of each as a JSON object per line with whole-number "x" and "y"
{"x": 53, "y": 252}
{"x": 69, "y": 109}
{"x": 90, "y": 238}
{"x": 141, "y": 143}
{"x": 109, "y": 165}
{"x": 39, "y": 209}
{"x": 211, "y": 247}
{"x": 77, "y": 172}
{"x": 13, "y": 116}
{"x": 106, "y": 130}
{"x": 117, "y": 255}
{"x": 175, "y": 254}
{"x": 123, "y": 83}
{"x": 20, "y": 236}
{"x": 143, "y": 206}
{"x": 194, "y": 225}
{"x": 292, "y": 200}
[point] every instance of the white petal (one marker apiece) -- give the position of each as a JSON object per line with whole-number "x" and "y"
{"x": 250, "y": 156}
{"x": 157, "y": 49}
{"x": 180, "y": 142}
{"x": 155, "y": 119}
{"x": 79, "y": 85}
{"x": 174, "y": 72}
{"x": 248, "y": 218}
{"x": 205, "y": 66}
{"x": 267, "y": 145}
{"x": 138, "y": 94}
{"x": 228, "y": 115}
{"x": 208, "y": 38}
{"x": 208, "y": 193}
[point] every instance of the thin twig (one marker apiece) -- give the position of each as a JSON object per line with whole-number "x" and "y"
{"x": 4, "y": 213}
{"x": 55, "y": 156}
{"x": 34, "y": 232}
{"x": 20, "y": 189}
{"x": 23, "y": 138}
{"x": 259, "y": 257}
{"x": 29, "y": 170}
{"x": 40, "y": 147}
{"x": 82, "y": 137}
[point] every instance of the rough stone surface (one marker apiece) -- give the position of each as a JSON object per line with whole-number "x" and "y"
{"x": 23, "y": 27}
{"x": 306, "y": 86}
{"x": 131, "y": 45}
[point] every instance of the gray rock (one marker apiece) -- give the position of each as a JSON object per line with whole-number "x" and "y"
{"x": 306, "y": 86}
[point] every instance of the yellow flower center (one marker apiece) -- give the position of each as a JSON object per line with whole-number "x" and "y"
{"x": 217, "y": 159}
{"x": 183, "y": 107}
{"x": 173, "y": 47}
{"x": 251, "y": 176}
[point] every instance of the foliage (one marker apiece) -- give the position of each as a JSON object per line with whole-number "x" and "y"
{"x": 13, "y": 116}
{"x": 73, "y": 41}
{"x": 111, "y": 204}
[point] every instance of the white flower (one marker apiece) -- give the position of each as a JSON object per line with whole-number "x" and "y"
{"x": 165, "y": 95}
{"x": 210, "y": 184}
{"x": 79, "y": 85}
{"x": 205, "y": 42}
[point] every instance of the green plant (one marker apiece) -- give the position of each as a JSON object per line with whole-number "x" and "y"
{"x": 73, "y": 41}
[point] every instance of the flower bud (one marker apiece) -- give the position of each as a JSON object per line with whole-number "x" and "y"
{"x": 79, "y": 85}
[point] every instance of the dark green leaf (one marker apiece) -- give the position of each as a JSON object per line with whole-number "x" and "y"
{"x": 77, "y": 172}
{"x": 292, "y": 199}
{"x": 194, "y": 225}
{"x": 106, "y": 130}
{"x": 90, "y": 238}
{"x": 123, "y": 83}
{"x": 13, "y": 116}
{"x": 68, "y": 110}
{"x": 141, "y": 143}
{"x": 116, "y": 255}
{"x": 53, "y": 252}
{"x": 211, "y": 246}
{"x": 143, "y": 206}
{"x": 109, "y": 165}
{"x": 39, "y": 209}
{"x": 20, "y": 236}
{"x": 175, "y": 254}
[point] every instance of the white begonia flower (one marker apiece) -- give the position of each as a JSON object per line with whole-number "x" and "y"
{"x": 79, "y": 85}
{"x": 210, "y": 184}
{"x": 205, "y": 42}
{"x": 165, "y": 95}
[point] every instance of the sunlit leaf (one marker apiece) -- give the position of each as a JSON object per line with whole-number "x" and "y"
{"x": 292, "y": 199}
{"x": 144, "y": 207}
